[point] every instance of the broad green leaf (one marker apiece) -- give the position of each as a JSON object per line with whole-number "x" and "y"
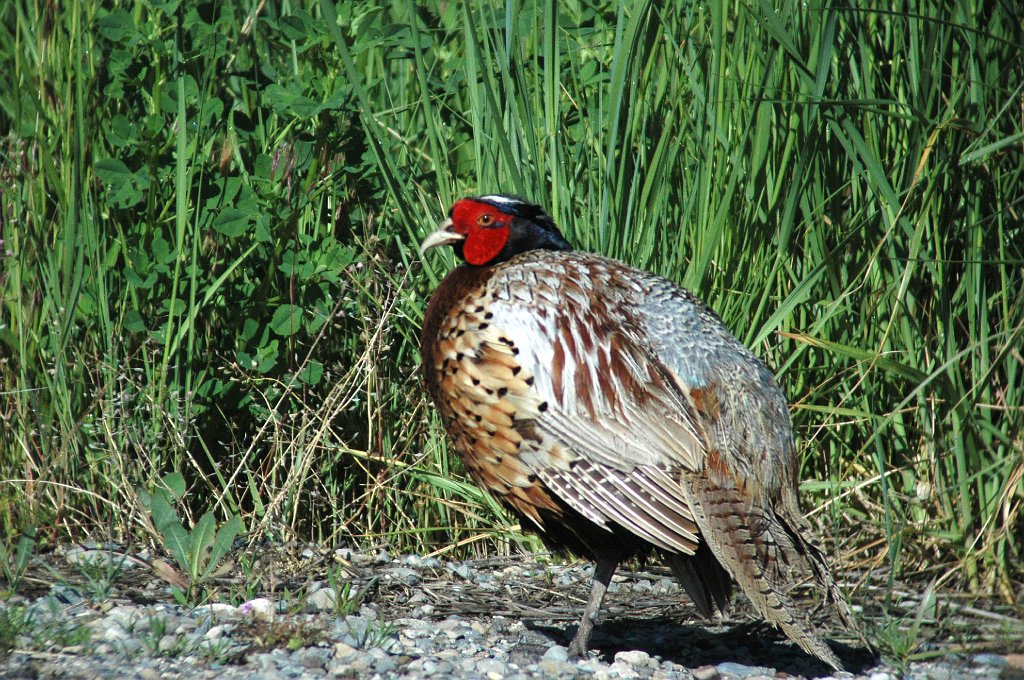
{"x": 311, "y": 372}
{"x": 162, "y": 250}
{"x": 168, "y": 7}
{"x": 291, "y": 101}
{"x": 222, "y": 544}
{"x": 232, "y": 222}
{"x": 116, "y": 26}
{"x": 133, "y": 322}
{"x": 137, "y": 281}
{"x": 266, "y": 356}
{"x": 203, "y": 536}
{"x": 287, "y": 319}
{"x": 123, "y": 132}
{"x": 175, "y": 483}
{"x": 176, "y": 537}
{"x": 119, "y": 182}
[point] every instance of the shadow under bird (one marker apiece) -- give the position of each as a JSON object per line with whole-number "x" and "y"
{"x": 613, "y": 413}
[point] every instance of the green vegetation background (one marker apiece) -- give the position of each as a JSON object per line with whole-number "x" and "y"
{"x": 210, "y": 213}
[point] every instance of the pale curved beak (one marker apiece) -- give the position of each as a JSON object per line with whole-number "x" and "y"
{"x": 441, "y": 236}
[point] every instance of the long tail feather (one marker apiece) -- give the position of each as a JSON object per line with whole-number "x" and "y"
{"x": 758, "y": 551}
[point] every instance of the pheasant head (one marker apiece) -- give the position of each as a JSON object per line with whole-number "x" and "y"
{"x": 486, "y": 230}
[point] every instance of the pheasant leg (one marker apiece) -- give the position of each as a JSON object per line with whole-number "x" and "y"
{"x": 602, "y": 577}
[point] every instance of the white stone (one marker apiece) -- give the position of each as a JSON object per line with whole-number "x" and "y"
{"x": 261, "y": 608}
{"x": 217, "y": 611}
{"x": 342, "y": 650}
{"x": 323, "y": 599}
{"x": 634, "y": 658}
{"x": 167, "y": 643}
{"x": 216, "y": 632}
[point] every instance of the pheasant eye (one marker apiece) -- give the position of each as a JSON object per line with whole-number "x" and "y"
{"x": 485, "y": 220}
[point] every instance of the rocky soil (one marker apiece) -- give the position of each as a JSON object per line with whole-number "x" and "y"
{"x": 95, "y": 612}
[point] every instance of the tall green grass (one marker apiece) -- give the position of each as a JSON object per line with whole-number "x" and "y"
{"x": 211, "y": 215}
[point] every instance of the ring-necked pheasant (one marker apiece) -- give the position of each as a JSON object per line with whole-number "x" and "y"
{"x": 613, "y": 413}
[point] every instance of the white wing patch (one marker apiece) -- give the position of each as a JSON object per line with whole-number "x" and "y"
{"x": 619, "y": 452}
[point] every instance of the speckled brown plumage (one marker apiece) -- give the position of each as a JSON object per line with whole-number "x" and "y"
{"x": 613, "y": 413}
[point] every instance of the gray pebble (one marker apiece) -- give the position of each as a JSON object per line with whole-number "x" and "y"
{"x": 706, "y": 673}
{"x": 492, "y": 668}
{"x": 217, "y": 611}
{"x": 938, "y": 672}
{"x": 437, "y": 667}
{"x": 395, "y": 636}
{"x": 405, "y": 575}
{"x": 167, "y": 643}
{"x": 115, "y": 633}
{"x": 555, "y": 668}
{"x": 125, "y": 617}
{"x": 994, "y": 660}
{"x": 322, "y": 600}
{"x": 128, "y": 647}
{"x": 312, "y": 657}
{"x": 462, "y": 571}
{"x": 264, "y": 662}
{"x": 741, "y": 671}
{"x": 385, "y": 665}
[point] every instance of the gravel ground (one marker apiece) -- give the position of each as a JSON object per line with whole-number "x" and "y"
{"x": 90, "y": 613}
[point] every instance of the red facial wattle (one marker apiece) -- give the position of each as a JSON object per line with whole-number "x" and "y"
{"x": 486, "y": 229}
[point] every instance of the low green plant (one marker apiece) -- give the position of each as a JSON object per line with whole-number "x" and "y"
{"x": 372, "y": 634}
{"x": 52, "y": 631}
{"x": 285, "y": 632}
{"x": 15, "y": 621}
{"x": 152, "y": 636}
{"x": 60, "y": 634}
{"x": 198, "y": 551}
{"x": 215, "y": 651}
{"x": 249, "y": 584}
{"x": 99, "y": 573}
{"x": 346, "y": 598}
{"x": 14, "y": 561}
{"x": 899, "y": 637}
